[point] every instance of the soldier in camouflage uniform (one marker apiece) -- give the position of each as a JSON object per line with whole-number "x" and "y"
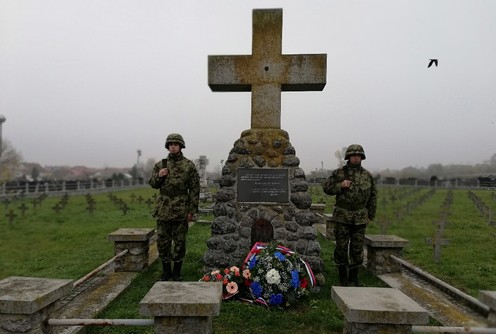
{"x": 179, "y": 184}
{"x": 356, "y": 202}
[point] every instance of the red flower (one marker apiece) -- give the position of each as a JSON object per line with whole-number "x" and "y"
{"x": 303, "y": 283}
{"x": 218, "y": 277}
{"x": 206, "y": 278}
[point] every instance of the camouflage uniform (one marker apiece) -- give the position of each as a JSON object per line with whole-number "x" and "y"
{"x": 179, "y": 195}
{"x": 355, "y": 207}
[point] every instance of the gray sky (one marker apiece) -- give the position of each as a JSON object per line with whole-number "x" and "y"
{"x": 86, "y": 82}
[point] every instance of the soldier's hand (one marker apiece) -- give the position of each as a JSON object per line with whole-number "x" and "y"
{"x": 346, "y": 184}
{"x": 163, "y": 172}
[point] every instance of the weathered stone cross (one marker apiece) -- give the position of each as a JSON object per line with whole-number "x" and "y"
{"x": 437, "y": 242}
{"x": 267, "y": 71}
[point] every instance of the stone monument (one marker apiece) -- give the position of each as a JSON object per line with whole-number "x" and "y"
{"x": 263, "y": 193}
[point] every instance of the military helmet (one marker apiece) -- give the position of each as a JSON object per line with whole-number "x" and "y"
{"x": 174, "y": 138}
{"x": 354, "y": 149}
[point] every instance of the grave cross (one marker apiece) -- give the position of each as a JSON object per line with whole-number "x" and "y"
{"x": 437, "y": 242}
{"x": 267, "y": 72}
{"x": 6, "y": 202}
{"x": 91, "y": 207}
{"x": 35, "y": 202}
{"x": 124, "y": 208}
{"x": 149, "y": 203}
{"x": 57, "y": 208}
{"x": 23, "y": 208}
{"x": 11, "y": 216}
{"x": 490, "y": 220}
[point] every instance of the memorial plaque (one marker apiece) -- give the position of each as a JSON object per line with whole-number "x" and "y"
{"x": 263, "y": 185}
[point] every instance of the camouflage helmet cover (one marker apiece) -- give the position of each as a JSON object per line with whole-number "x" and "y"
{"x": 354, "y": 149}
{"x": 175, "y": 138}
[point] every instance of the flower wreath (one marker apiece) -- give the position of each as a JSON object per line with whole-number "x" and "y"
{"x": 231, "y": 280}
{"x": 276, "y": 275}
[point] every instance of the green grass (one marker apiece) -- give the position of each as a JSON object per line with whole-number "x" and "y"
{"x": 68, "y": 244}
{"x": 74, "y": 242}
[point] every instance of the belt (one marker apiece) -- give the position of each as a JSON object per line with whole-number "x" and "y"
{"x": 350, "y": 207}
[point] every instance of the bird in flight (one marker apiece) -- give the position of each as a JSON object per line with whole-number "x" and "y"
{"x": 433, "y": 61}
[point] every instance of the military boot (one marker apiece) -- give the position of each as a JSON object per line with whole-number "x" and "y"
{"x": 167, "y": 274}
{"x": 353, "y": 278}
{"x": 176, "y": 274}
{"x": 343, "y": 275}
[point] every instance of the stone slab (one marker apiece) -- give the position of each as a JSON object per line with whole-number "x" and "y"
{"x": 182, "y": 299}
{"x": 488, "y": 298}
{"x": 384, "y": 241}
{"x": 131, "y": 234}
{"x": 27, "y": 295}
{"x": 378, "y": 306}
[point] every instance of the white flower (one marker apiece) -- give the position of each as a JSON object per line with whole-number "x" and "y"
{"x": 273, "y": 277}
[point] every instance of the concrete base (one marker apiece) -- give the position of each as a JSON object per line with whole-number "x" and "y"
{"x": 489, "y": 298}
{"x": 377, "y": 310}
{"x": 137, "y": 242}
{"x": 379, "y": 249}
{"x": 183, "y": 307}
{"x": 26, "y": 302}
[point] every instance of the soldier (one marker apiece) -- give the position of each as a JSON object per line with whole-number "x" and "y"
{"x": 356, "y": 202}
{"x": 179, "y": 184}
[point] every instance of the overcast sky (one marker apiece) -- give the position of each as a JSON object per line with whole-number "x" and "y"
{"x": 86, "y": 82}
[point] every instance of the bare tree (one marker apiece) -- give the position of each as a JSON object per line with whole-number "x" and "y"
{"x": 340, "y": 155}
{"x": 492, "y": 160}
{"x": 148, "y": 167}
{"x": 10, "y": 161}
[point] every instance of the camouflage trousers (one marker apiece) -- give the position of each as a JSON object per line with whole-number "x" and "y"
{"x": 349, "y": 244}
{"x": 171, "y": 240}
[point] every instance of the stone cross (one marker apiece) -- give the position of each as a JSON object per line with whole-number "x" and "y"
{"x": 149, "y": 203}
{"x": 35, "y": 202}
{"x": 202, "y": 168}
{"x": 6, "y": 202}
{"x": 267, "y": 72}
{"x": 11, "y": 216}
{"x": 437, "y": 242}
{"x": 23, "y": 207}
{"x": 57, "y": 208}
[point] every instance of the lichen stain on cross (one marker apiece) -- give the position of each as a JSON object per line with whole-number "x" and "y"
{"x": 267, "y": 71}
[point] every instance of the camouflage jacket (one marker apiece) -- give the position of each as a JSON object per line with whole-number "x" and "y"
{"x": 179, "y": 191}
{"x": 357, "y": 204}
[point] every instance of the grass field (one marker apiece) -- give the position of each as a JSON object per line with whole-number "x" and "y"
{"x": 71, "y": 243}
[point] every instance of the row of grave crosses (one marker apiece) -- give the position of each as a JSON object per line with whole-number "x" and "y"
{"x": 58, "y": 207}
{"x": 483, "y": 208}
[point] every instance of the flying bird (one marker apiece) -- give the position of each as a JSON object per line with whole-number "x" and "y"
{"x": 433, "y": 61}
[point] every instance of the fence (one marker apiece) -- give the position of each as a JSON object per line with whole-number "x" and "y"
{"x": 24, "y": 188}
